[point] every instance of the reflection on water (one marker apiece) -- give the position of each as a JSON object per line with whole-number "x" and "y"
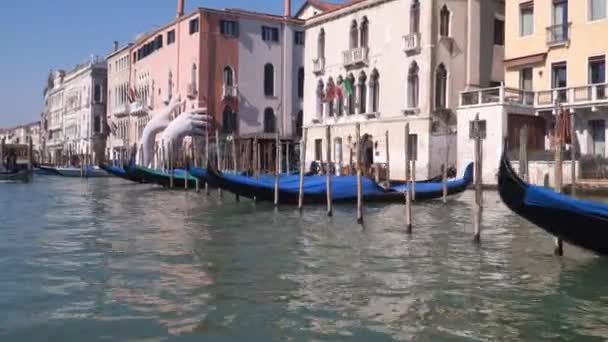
{"x": 108, "y": 260}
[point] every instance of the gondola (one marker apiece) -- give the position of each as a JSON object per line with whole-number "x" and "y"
{"x": 581, "y": 223}
{"x": 122, "y": 172}
{"x": 76, "y": 172}
{"x": 344, "y": 188}
{"x": 24, "y": 176}
{"x": 163, "y": 178}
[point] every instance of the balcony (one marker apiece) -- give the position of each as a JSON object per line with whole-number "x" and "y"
{"x": 496, "y": 95}
{"x": 121, "y": 110}
{"x": 558, "y": 35}
{"x": 318, "y": 66}
{"x": 356, "y": 57}
{"x": 229, "y": 91}
{"x": 411, "y": 43}
{"x": 138, "y": 108}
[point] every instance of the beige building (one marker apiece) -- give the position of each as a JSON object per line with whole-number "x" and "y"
{"x": 554, "y": 56}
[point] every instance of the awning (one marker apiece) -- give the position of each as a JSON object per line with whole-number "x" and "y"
{"x": 525, "y": 60}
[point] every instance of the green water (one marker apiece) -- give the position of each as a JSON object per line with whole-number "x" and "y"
{"x": 106, "y": 260}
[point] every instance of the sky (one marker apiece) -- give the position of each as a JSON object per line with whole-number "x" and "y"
{"x": 40, "y": 35}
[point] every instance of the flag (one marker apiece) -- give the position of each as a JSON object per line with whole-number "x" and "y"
{"x": 131, "y": 95}
{"x": 330, "y": 94}
{"x": 348, "y": 87}
{"x": 565, "y": 126}
{"x": 340, "y": 91}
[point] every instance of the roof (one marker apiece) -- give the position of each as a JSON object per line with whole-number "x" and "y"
{"x": 322, "y": 5}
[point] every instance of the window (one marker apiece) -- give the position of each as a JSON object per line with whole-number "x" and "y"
{"x": 597, "y": 74}
{"x": 441, "y": 87}
{"x": 301, "y": 83}
{"x": 170, "y": 37}
{"x": 499, "y": 32}
{"x": 321, "y": 44}
{"x": 270, "y": 34}
{"x": 134, "y": 57}
{"x": 320, "y": 98}
{"x": 350, "y": 94}
{"x": 525, "y": 79}
{"x": 364, "y": 32}
{"x": 269, "y": 121}
{"x": 299, "y": 38}
{"x": 482, "y": 129}
{"x": 526, "y": 19}
{"x": 354, "y": 35}
{"x": 194, "y": 26}
{"x": 362, "y": 93}
{"x": 375, "y": 89}
{"x": 97, "y": 124}
{"x": 559, "y": 75}
{"x": 97, "y": 93}
{"x": 229, "y": 28}
{"x": 269, "y": 80}
{"x": 415, "y": 17}
{"x": 413, "y": 146}
{"x": 228, "y": 121}
{"x": 597, "y": 9}
{"x": 559, "y": 30}
{"x": 158, "y": 42}
{"x": 299, "y": 123}
{"x": 228, "y": 77}
{"x": 340, "y": 96}
{"x": 318, "y": 149}
{"x": 413, "y": 87}
{"x": 444, "y": 22}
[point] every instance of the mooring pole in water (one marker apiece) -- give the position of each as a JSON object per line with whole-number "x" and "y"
{"x": 524, "y": 171}
{"x": 206, "y": 158}
{"x": 2, "y": 147}
{"x": 277, "y": 168}
{"x": 287, "y": 161}
{"x": 478, "y": 205}
{"x": 330, "y": 210}
{"x": 194, "y": 154}
{"x": 234, "y": 160}
{"x": 359, "y": 185}
{"x": 388, "y": 159}
{"x": 413, "y": 175}
{"x": 407, "y": 193}
{"x": 219, "y": 158}
{"x": 573, "y": 152}
{"x": 302, "y": 169}
{"x": 559, "y": 141}
{"x": 444, "y": 183}
{"x": 30, "y": 154}
{"x": 171, "y": 164}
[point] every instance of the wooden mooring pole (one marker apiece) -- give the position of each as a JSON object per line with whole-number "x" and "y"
{"x": 235, "y": 164}
{"x": 193, "y": 153}
{"x": 413, "y": 175}
{"x": 171, "y": 164}
{"x": 444, "y": 183}
{"x": 408, "y": 194}
{"x": 388, "y": 158}
{"x": 330, "y": 210}
{"x": 30, "y": 154}
{"x": 573, "y": 152}
{"x": 277, "y": 168}
{"x": 524, "y": 171}
{"x": 559, "y": 141}
{"x": 2, "y": 154}
{"x": 359, "y": 185}
{"x": 218, "y": 157}
{"x": 302, "y": 169}
{"x": 478, "y": 205}
{"x": 207, "y": 158}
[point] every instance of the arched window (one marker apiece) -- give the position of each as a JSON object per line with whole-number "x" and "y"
{"x": 354, "y": 35}
{"x": 299, "y": 123}
{"x": 321, "y": 44}
{"x": 415, "y": 17}
{"x": 340, "y": 95}
{"x": 270, "y": 121}
{"x": 374, "y": 86}
{"x": 229, "y": 121}
{"x": 362, "y": 93}
{"x": 320, "y": 96}
{"x": 413, "y": 88}
{"x": 331, "y": 92}
{"x": 97, "y": 94}
{"x": 228, "y": 77}
{"x": 301, "y": 82}
{"x": 269, "y": 80}
{"x": 350, "y": 94}
{"x": 364, "y": 32}
{"x": 441, "y": 87}
{"x": 444, "y": 21}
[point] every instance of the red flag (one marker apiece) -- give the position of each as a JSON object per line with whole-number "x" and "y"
{"x": 339, "y": 92}
{"x": 566, "y": 126}
{"x": 331, "y": 92}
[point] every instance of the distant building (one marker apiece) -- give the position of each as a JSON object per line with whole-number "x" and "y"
{"x": 74, "y": 114}
{"x": 22, "y": 134}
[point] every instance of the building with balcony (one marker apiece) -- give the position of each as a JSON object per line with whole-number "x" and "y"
{"x": 553, "y": 63}
{"x": 120, "y": 124}
{"x": 383, "y": 64}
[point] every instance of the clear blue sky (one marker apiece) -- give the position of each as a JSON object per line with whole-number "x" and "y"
{"x": 40, "y": 35}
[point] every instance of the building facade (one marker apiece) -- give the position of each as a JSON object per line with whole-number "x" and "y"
{"x": 385, "y": 63}
{"x": 553, "y": 64}
{"x": 74, "y": 118}
{"x": 120, "y": 124}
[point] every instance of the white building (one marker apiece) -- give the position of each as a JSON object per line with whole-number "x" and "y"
{"x": 75, "y": 107}
{"x": 407, "y": 61}
{"x": 118, "y": 107}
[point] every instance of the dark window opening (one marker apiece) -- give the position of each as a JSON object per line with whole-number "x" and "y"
{"x": 229, "y": 28}
{"x": 499, "y": 32}
{"x": 170, "y": 37}
{"x": 269, "y": 80}
{"x": 299, "y": 38}
{"x": 270, "y": 124}
{"x": 270, "y": 34}
{"x": 194, "y": 26}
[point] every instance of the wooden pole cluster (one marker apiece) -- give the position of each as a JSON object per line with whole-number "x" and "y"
{"x": 359, "y": 185}
{"x": 277, "y": 168}
{"x": 408, "y": 195}
{"x": 302, "y": 169}
{"x": 478, "y": 205}
{"x": 330, "y": 210}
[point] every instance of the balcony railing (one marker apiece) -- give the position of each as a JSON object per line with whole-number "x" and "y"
{"x": 121, "y": 110}
{"x": 318, "y": 66}
{"x": 411, "y": 42}
{"x": 229, "y": 91}
{"x": 355, "y": 57}
{"x": 587, "y": 95}
{"x": 558, "y": 34}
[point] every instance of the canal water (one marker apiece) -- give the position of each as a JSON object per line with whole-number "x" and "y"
{"x": 107, "y": 260}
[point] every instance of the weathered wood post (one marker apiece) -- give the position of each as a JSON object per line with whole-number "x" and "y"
{"x": 559, "y": 141}
{"x": 256, "y": 157}
{"x": 186, "y": 171}
{"x": 573, "y": 152}
{"x": 524, "y": 171}
{"x": 30, "y": 154}
{"x": 2, "y": 147}
{"x": 234, "y": 160}
{"x": 207, "y": 158}
{"x": 171, "y": 164}
{"x": 287, "y": 161}
{"x": 219, "y": 158}
{"x": 330, "y": 210}
{"x": 359, "y": 185}
{"x": 194, "y": 153}
{"x": 478, "y": 206}
{"x": 388, "y": 159}
{"x": 444, "y": 183}
{"x": 408, "y": 195}
{"x": 302, "y": 169}
{"x": 413, "y": 172}
{"x": 277, "y": 168}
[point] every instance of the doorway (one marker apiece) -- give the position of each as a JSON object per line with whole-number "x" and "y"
{"x": 597, "y": 129}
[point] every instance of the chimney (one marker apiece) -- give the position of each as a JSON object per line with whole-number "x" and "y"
{"x": 180, "y": 8}
{"x": 115, "y": 46}
{"x": 287, "y": 5}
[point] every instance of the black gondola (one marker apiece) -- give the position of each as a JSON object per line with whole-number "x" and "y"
{"x": 24, "y": 176}
{"x": 163, "y": 178}
{"x": 343, "y": 188}
{"x": 581, "y": 223}
{"x": 122, "y": 172}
